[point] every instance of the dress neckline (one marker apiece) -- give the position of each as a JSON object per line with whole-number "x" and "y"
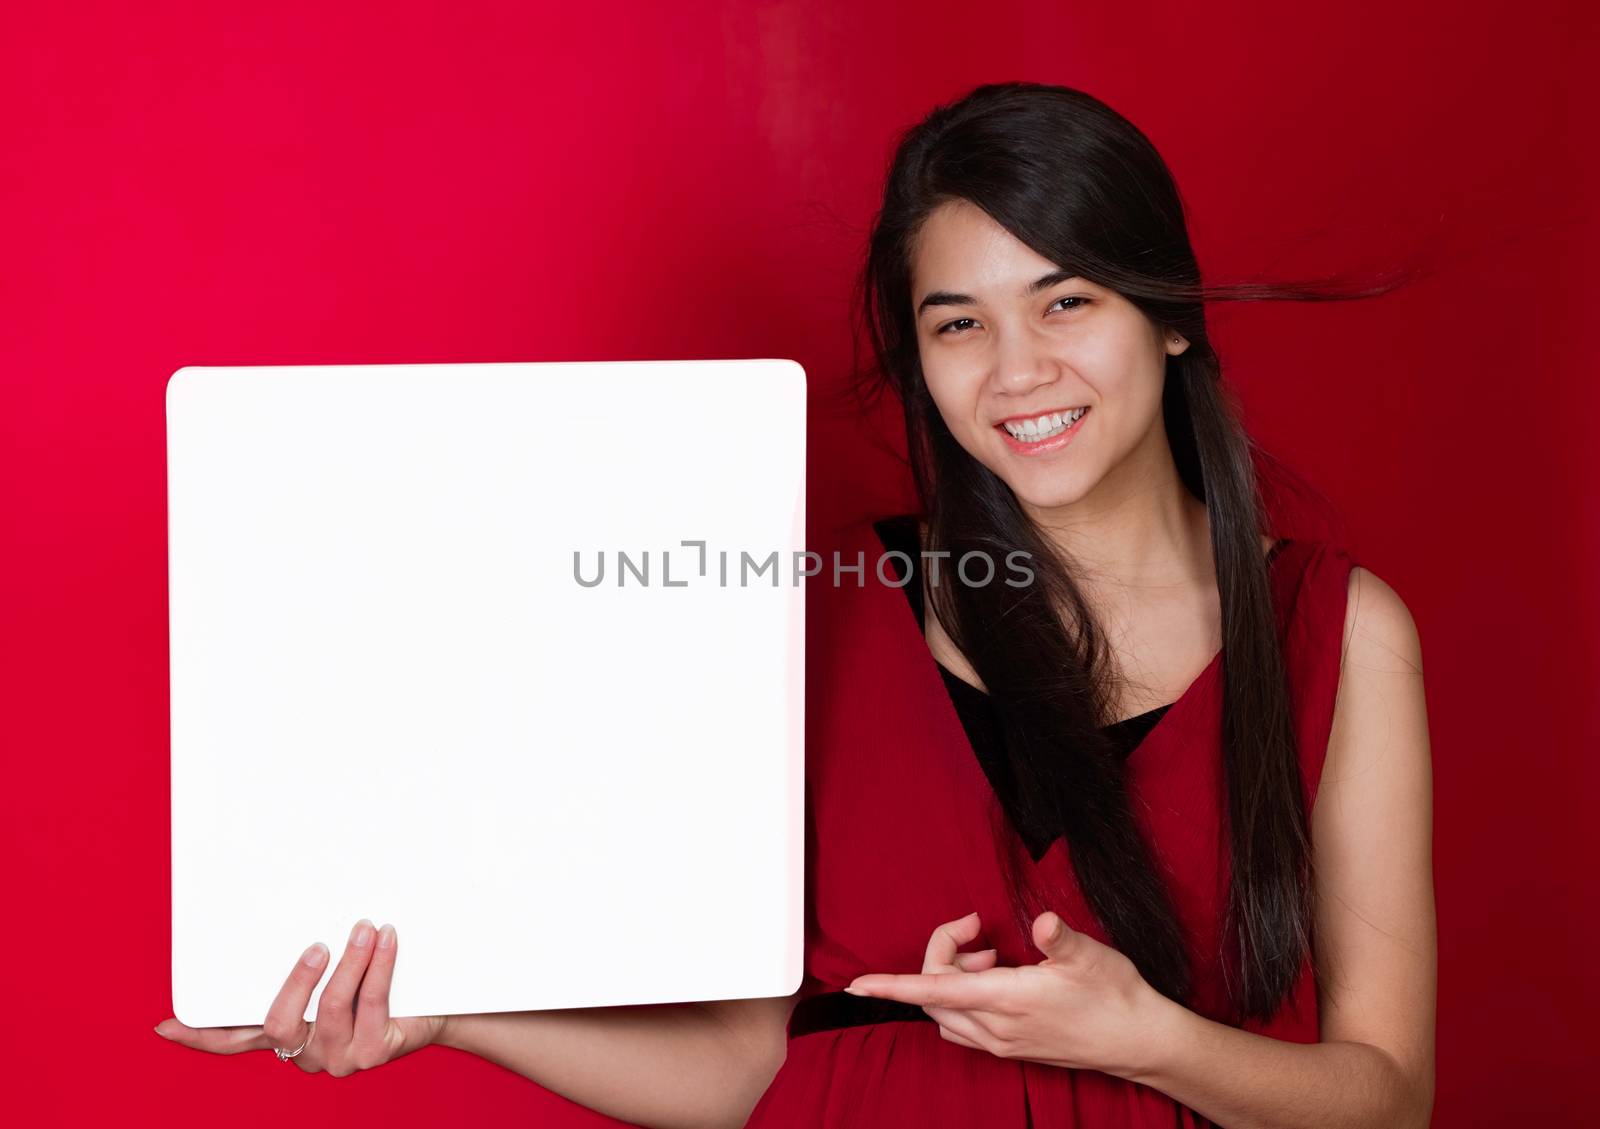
{"x": 932, "y": 668}
{"x": 905, "y": 527}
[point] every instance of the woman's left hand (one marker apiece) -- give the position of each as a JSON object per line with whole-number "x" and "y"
{"x": 1084, "y": 1006}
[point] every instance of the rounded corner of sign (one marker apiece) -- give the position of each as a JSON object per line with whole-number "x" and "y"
{"x": 175, "y": 384}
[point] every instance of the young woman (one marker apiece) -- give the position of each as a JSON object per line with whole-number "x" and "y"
{"x": 1175, "y": 783}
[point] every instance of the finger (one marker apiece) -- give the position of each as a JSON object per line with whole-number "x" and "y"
{"x": 946, "y": 939}
{"x": 286, "y": 1025}
{"x": 961, "y": 1027}
{"x": 372, "y": 1008}
{"x": 938, "y": 989}
{"x": 1055, "y": 938}
{"x": 976, "y": 962}
{"x": 950, "y": 1036}
{"x": 336, "y": 1005}
{"x": 213, "y": 1040}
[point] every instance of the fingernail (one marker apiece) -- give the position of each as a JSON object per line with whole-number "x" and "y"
{"x": 316, "y": 956}
{"x": 158, "y": 1031}
{"x": 855, "y": 991}
{"x": 386, "y": 937}
{"x": 361, "y": 935}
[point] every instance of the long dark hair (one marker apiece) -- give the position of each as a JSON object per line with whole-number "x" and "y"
{"x": 1081, "y": 186}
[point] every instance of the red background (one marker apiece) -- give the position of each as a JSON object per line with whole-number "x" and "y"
{"x": 341, "y": 183}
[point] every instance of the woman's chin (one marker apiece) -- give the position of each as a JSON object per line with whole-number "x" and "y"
{"x": 1045, "y": 495}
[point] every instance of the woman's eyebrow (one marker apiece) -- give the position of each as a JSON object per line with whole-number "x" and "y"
{"x": 949, "y": 298}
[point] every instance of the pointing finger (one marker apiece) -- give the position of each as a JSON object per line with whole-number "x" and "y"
{"x": 938, "y": 989}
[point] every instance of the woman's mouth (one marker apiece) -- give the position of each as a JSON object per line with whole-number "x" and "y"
{"x": 1039, "y": 435}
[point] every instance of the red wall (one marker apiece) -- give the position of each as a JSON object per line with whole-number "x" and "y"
{"x": 298, "y": 183}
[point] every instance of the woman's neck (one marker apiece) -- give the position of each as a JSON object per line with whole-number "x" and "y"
{"x": 1156, "y": 536}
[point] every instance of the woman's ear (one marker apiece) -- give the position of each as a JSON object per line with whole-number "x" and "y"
{"x": 1176, "y": 343}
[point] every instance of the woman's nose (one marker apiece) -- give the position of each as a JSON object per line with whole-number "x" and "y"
{"x": 1023, "y": 364}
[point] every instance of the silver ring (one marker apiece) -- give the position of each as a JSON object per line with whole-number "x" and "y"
{"x": 285, "y": 1056}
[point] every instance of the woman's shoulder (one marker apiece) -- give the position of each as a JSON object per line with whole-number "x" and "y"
{"x": 1379, "y": 629}
{"x": 1342, "y": 614}
{"x": 1315, "y": 564}
{"x": 847, "y": 560}
{"x": 1365, "y": 599}
{"x": 840, "y": 533}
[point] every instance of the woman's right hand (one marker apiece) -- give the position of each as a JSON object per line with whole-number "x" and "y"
{"x": 353, "y": 1030}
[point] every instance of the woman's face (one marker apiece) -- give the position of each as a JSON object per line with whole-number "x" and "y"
{"x": 1004, "y": 339}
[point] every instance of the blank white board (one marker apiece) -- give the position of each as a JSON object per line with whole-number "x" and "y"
{"x": 396, "y": 695}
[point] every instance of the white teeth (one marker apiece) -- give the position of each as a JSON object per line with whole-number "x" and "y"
{"x": 1043, "y": 427}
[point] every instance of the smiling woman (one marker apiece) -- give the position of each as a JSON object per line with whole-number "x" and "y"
{"x": 1171, "y": 929}
{"x": 1175, "y": 785}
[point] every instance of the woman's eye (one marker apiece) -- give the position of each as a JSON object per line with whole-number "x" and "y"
{"x": 953, "y": 325}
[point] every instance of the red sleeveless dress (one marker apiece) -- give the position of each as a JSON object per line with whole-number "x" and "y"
{"x": 898, "y": 840}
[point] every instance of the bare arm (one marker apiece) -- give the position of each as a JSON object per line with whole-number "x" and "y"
{"x": 667, "y": 1065}
{"x": 1375, "y": 931}
{"x": 659, "y": 1065}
